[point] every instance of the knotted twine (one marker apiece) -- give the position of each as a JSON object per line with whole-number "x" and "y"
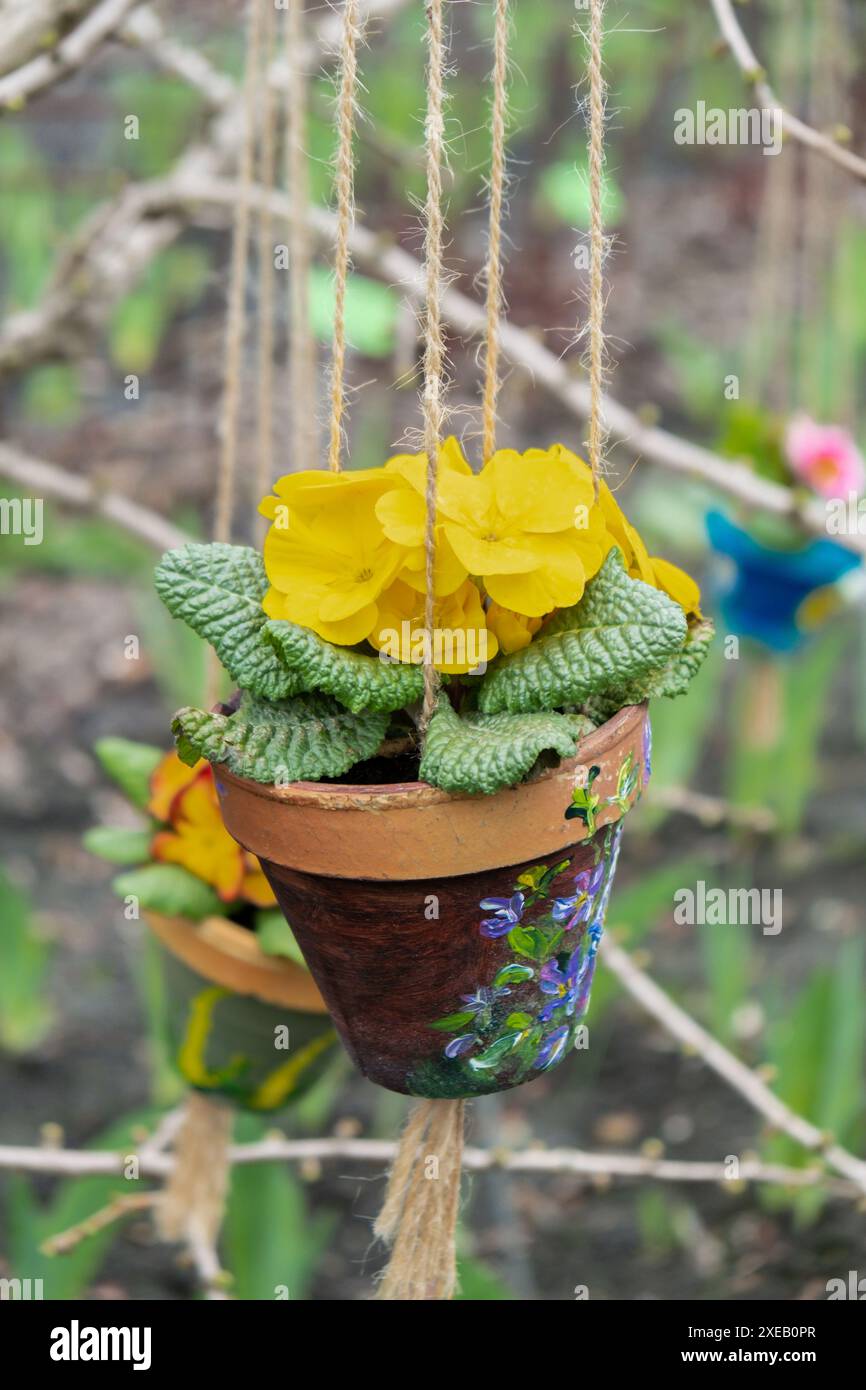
{"x": 419, "y": 1215}
{"x": 192, "y": 1204}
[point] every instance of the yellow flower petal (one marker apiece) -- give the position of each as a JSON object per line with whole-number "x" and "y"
{"x": 199, "y": 841}
{"x": 169, "y": 778}
{"x": 513, "y": 630}
{"x": 677, "y": 584}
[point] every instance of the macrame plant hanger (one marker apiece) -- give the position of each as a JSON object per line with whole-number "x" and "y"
{"x": 419, "y": 1215}
{"x": 192, "y": 1204}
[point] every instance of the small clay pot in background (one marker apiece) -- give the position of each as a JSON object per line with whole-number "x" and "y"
{"x": 243, "y": 1025}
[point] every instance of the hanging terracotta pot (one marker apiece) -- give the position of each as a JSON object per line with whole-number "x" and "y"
{"x": 243, "y": 1025}
{"x": 453, "y": 937}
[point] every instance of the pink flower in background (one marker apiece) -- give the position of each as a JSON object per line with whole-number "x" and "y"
{"x": 825, "y": 457}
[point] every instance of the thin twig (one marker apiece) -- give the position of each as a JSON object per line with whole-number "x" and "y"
{"x": 740, "y": 1077}
{"x": 115, "y": 1210}
{"x": 744, "y": 56}
{"x": 64, "y": 57}
{"x": 713, "y": 810}
{"x": 47, "y": 480}
{"x": 380, "y": 1152}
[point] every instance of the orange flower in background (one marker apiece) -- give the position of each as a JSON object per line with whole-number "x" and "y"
{"x": 170, "y": 777}
{"x": 197, "y": 840}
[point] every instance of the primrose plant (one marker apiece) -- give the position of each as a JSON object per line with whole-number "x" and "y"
{"x": 549, "y": 616}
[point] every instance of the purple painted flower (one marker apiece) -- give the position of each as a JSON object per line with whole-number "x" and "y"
{"x": 552, "y": 1047}
{"x": 507, "y": 913}
{"x": 484, "y": 998}
{"x": 458, "y": 1046}
{"x": 562, "y": 984}
{"x": 578, "y": 906}
{"x": 647, "y": 750}
{"x": 587, "y": 970}
{"x": 590, "y": 880}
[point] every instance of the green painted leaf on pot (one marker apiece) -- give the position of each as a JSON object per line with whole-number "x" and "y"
{"x": 300, "y": 740}
{"x": 131, "y": 765}
{"x": 520, "y": 1021}
{"x": 171, "y": 890}
{"x": 217, "y": 590}
{"x": 118, "y": 845}
{"x": 513, "y": 975}
{"x": 528, "y": 941}
{"x": 491, "y": 1055}
{"x": 481, "y": 753}
{"x": 620, "y": 630}
{"x": 276, "y": 938}
{"x": 359, "y": 682}
{"x": 451, "y": 1023}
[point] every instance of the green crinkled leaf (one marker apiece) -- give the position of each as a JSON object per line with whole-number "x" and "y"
{"x": 359, "y": 682}
{"x": 674, "y": 678}
{"x": 118, "y": 845}
{"x": 217, "y": 590}
{"x": 169, "y": 889}
{"x": 300, "y": 740}
{"x": 620, "y": 629}
{"x": 480, "y": 753}
{"x": 131, "y": 765}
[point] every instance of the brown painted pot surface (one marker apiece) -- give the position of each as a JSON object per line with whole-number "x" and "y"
{"x": 243, "y": 1025}
{"x": 453, "y": 937}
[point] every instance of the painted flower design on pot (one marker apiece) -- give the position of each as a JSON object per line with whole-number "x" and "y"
{"x": 527, "y": 1018}
{"x": 506, "y": 914}
{"x": 578, "y": 906}
{"x": 478, "y": 1012}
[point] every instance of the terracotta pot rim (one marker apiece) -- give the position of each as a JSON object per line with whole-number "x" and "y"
{"x": 395, "y": 796}
{"x": 227, "y": 954}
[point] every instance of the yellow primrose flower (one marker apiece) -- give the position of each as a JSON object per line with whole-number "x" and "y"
{"x": 641, "y": 565}
{"x": 513, "y": 630}
{"x": 677, "y": 585}
{"x": 330, "y": 563}
{"x": 461, "y": 638}
{"x": 169, "y": 778}
{"x": 526, "y": 525}
{"x": 199, "y": 842}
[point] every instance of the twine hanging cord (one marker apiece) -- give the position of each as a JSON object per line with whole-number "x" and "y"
{"x": 598, "y": 247}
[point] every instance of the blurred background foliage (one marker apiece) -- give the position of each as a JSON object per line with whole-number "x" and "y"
{"x": 685, "y": 313}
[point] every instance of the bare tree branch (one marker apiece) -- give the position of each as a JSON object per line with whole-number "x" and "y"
{"x": 46, "y": 480}
{"x": 66, "y": 56}
{"x": 576, "y": 1162}
{"x": 744, "y": 56}
{"x": 396, "y": 266}
{"x": 29, "y": 27}
{"x": 740, "y": 1077}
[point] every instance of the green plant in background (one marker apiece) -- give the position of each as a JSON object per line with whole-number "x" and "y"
{"x": 30, "y": 1222}
{"x": 173, "y": 283}
{"x": 273, "y": 1243}
{"x": 26, "y": 1014}
{"x": 817, "y": 1045}
{"x": 780, "y": 773}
